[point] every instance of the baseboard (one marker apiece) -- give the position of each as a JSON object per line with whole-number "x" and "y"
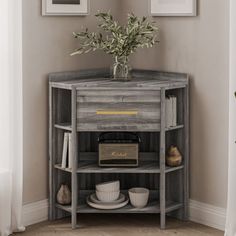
{"x": 199, "y": 212}
{"x": 35, "y": 212}
{"x": 207, "y": 214}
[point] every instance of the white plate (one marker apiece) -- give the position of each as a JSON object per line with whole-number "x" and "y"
{"x": 105, "y": 206}
{"x": 94, "y": 199}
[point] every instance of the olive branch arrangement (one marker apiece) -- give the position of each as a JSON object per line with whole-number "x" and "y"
{"x": 119, "y": 41}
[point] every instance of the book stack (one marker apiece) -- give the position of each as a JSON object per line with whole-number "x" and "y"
{"x": 67, "y": 159}
{"x": 171, "y": 111}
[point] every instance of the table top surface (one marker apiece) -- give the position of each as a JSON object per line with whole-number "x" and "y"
{"x": 139, "y": 81}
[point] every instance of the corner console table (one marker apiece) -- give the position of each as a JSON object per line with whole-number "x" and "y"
{"x": 87, "y": 103}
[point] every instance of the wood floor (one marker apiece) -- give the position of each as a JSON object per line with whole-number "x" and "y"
{"x": 119, "y": 225}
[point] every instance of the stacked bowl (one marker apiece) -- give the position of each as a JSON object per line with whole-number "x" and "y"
{"x": 107, "y": 196}
{"x": 108, "y": 191}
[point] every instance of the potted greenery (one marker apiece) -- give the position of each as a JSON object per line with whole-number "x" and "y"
{"x": 117, "y": 40}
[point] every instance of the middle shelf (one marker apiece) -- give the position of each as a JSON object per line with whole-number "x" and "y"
{"x": 144, "y": 167}
{"x": 66, "y": 126}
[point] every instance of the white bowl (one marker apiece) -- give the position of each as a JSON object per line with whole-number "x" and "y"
{"x": 139, "y": 197}
{"x": 107, "y": 196}
{"x": 111, "y": 186}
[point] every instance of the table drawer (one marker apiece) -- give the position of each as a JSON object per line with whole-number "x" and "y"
{"x": 118, "y": 110}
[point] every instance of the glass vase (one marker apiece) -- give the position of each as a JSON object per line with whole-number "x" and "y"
{"x": 121, "y": 69}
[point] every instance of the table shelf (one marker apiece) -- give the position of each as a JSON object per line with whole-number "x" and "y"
{"x": 67, "y": 127}
{"x": 145, "y": 168}
{"x": 153, "y": 205}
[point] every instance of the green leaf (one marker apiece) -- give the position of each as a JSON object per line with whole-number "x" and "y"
{"x": 116, "y": 39}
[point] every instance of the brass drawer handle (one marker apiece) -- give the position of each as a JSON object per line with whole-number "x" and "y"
{"x": 106, "y": 112}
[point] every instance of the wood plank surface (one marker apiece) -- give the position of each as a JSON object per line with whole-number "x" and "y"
{"x": 118, "y": 96}
{"x": 152, "y": 207}
{"x": 51, "y": 156}
{"x": 162, "y": 160}
{"x": 118, "y": 127}
{"x": 118, "y": 110}
{"x": 99, "y": 80}
{"x": 74, "y": 152}
{"x": 89, "y": 168}
{"x": 67, "y": 126}
{"x": 186, "y": 153}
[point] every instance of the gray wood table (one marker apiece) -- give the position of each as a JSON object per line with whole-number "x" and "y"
{"x": 88, "y": 102}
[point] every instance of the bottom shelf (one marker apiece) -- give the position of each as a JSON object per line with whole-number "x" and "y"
{"x": 152, "y": 207}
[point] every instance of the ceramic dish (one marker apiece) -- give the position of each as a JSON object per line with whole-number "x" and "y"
{"x": 105, "y": 206}
{"x": 111, "y": 186}
{"x": 139, "y": 197}
{"x": 94, "y": 199}
{"x": 107, "y": 196}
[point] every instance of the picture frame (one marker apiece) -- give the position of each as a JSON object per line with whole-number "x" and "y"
{"x": 173, "y": 7}
{"x": 65, "y": 7}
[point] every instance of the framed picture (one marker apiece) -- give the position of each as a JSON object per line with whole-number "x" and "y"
{"x": 65, "y": 7}
{"x": 173, "y": 7}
